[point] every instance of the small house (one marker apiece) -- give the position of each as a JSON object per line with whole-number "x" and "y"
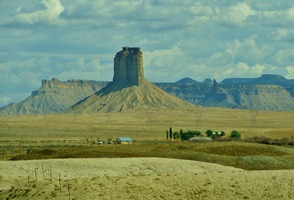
{"x": 124, "y": 140}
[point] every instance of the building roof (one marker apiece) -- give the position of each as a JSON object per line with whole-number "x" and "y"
{"x": 125, "y": 139}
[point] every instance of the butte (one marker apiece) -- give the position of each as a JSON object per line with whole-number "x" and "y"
{"x": 129, "y": 89}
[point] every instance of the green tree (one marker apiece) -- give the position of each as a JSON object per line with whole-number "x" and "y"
{"x": 215, "y": 135}
{"x": 189, "y": 134}
{"x": 170, "y": 133}
{"x": 198, "y": 133}
{"x": 223, "y": 133}
{"x": 181, "y": 134}
{"x": 167, "y": 135}
{"x": 209, "y": 133}
{"x": 176, "y": 135}
{"x": 235, "y": 134}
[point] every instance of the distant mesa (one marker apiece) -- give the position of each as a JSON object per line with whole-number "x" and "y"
{"x": 268, "y": 92}
{"x": 265, "y": 79}
{"x": 53, "y": 96}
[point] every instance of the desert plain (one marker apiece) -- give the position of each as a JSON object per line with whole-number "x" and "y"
{"x": 56, "y": 156}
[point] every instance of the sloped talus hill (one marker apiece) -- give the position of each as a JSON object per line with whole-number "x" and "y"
{"x": 119, "y": 97}
{"x": 53, "y": 96}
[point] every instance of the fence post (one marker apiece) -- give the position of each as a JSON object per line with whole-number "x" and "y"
{"x": 36, "y": 175}
{"x": 51, "y": 174}
{"x": 43, "y": 171}
{"x": 59, "y": 182}
{"x": 68, "y": 188}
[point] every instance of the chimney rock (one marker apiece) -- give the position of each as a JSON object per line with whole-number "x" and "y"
{"x": 128, "y": 66}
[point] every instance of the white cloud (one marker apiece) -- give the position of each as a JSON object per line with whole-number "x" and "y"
{"x": 202, "y": 10}
{"x": 237, "y": 14}
{"x": 246, "y": 51}
{"x": 284, "y": 57}
{"x": 282, "y": 35}
{"x": 51, "y": 13}
{"x": 241, "y": 69}
{"x": 162, "y": 57}
{"x": 290, "y": 72}
{"x": 159, "y": 63}
{"x": 4, "y": 100}
{"x": 278, "y": 17}
{"x": 84, "y": 68}
{"x": 290, "y": 13}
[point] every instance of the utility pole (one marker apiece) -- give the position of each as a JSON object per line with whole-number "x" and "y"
{"x": 199, "y": 113}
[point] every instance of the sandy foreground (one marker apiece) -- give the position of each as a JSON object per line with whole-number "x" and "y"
{"x": 139, "y": 178}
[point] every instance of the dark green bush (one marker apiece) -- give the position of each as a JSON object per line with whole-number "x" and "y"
{"x": 235, "y": 134}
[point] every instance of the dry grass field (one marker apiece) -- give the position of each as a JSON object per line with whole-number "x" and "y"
{"x": 143, "y": 125}
{"x": 147, "y": 124}
{"x": 62, "y": 136}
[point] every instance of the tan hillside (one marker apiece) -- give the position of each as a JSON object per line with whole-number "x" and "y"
{"x": 119, "y": 98}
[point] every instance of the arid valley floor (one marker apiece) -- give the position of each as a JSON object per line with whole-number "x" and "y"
{"x": 152, "y": 167}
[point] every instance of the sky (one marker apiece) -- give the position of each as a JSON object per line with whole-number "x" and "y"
{"x": 78, "y": 39}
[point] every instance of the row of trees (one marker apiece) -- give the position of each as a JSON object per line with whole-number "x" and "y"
{"x": 190, "y": 134}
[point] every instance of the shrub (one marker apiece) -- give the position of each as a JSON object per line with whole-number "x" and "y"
{"x": 272, "y": 141}
{"x": 209, "y": 133}
{"x": 214, "y": 135}
{"x": 176, "y": 135}
{"x": 235, "y": 134}
{"x": 190, "y": 134}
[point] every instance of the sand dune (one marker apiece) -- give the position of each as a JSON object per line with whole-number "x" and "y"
{"x": 139, "y": 178}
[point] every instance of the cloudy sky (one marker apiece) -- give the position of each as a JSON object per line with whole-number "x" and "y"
{"x": 77, "y": 39}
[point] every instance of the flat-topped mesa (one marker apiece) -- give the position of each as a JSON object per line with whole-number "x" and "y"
{"x": 128, "y": 66}
{"x": 55, "y": 84}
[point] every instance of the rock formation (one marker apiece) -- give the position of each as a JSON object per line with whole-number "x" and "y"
{"x": 257, "y": 97}
{"x": 265, "y": 93}
{"x": 53, "y": 96}
{"x": 128, "y": 66}
{"x": 129, "y": 89}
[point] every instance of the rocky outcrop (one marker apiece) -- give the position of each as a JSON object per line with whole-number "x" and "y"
{"x": 54, "y": 83}
{"x": 129, "y": 89}
{"x": 236, "y": 96}
{"x": 53, "y": 96}
{"x": 257, "y": 97}
{"x": 128, "y": 66}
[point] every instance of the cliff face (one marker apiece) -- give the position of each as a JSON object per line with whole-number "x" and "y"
{"x": 80, "y": 87}
{"x": 191, "y": 92}
{"x": 260, "y": 97}
{"x": 128, "y": 66}
{"x": 268, "y": 92}
{"x": 70, "y": 84}
{"x": 53, "y": 96}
